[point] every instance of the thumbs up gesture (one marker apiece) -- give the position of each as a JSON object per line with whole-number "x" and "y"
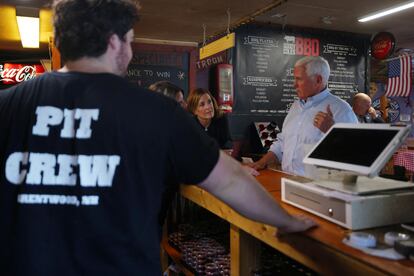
{"x": 324, "y": 120}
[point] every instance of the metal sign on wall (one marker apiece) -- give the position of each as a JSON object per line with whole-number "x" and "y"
{"x": 218, "y": 45}
{"x": 382, "y": 45}
{"x": 14, "y": 73}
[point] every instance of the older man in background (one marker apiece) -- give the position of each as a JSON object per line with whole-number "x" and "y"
{"x": 361, "y": 105}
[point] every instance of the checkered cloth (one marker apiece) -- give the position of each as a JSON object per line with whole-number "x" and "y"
{"x": 404, "y": 158}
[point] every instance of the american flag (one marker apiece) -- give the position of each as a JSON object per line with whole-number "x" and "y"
{"x": 399, "y": 77}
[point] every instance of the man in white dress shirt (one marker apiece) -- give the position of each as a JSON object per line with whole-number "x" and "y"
{"x": 309, "y": 118}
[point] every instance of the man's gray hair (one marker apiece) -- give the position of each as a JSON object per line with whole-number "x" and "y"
{"x": 315, "y": 66}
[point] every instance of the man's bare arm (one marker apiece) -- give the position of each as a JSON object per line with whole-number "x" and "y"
{"x": 229, "y": 182}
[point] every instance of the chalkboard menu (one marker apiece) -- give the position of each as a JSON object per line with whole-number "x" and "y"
{"x": 264, "y": 59}
{"x": 149, "y": 67}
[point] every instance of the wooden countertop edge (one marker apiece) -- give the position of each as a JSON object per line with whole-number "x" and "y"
{"x": 300, "y": 246}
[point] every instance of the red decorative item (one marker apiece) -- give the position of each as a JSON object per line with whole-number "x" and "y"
{"x": 225, "y": 87}
{"x": 404, "y": 158}
{"x": 382, "y": 45}
{"x": 12, "y": 73}
{"x": 267, "y": 132}
{"x": 261, "y": 127}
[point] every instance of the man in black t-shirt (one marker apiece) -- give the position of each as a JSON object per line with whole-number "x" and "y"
{"x": 84, "y": 158}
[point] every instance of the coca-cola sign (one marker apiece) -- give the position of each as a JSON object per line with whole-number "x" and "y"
{"x": 12, "y": 73}
{"x": 382, "y": 45}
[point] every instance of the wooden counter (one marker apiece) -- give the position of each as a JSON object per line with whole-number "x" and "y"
{"x": 321, "y": 248}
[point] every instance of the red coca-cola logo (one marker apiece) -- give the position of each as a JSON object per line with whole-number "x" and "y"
{"x": 11, "y": 73}
{"x": 382, "y": 45}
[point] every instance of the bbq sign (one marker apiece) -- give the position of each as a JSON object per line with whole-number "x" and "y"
{"x": 300, "y": 46}
{"x": 13, "y": 73}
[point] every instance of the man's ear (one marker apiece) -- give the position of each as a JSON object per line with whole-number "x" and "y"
{"x": 318, "y": 79}
{"x": 114, "y": 42}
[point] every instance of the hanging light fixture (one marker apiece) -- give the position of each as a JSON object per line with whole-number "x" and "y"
{"x": 386, "y": 12}
{"x": 28, "y": 24}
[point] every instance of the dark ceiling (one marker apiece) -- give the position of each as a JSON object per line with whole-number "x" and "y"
{"x": 182, "y": 20}
{"x": 28, "y": 3}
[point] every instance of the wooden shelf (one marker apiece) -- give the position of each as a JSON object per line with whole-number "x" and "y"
{"x": 175, "y": 255}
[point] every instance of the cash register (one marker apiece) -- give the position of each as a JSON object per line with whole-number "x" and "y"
{"x": 344, "y": 186}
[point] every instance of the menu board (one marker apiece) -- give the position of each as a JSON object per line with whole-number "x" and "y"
{"x": 264, "y": 59}
{"x": 149, "y": 67}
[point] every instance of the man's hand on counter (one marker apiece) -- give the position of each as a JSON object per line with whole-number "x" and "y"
{"x": 268, "y": 158}
{"x": 257, "y": 165}
{"x": 298, "y": 223}
{"x": 250, "y": 170}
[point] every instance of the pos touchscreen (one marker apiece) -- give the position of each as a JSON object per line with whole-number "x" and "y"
{"x": 362, "y": 149}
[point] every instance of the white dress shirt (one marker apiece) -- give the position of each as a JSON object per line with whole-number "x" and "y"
{"x": 298, "y": 132}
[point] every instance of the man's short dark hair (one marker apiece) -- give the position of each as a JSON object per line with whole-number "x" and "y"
{"x": 82, "y": 28}
{"x": 165, "y": 87}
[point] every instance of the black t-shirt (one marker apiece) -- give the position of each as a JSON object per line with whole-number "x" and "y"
{"x": 84, "y": 160}
{"x": 219, "y": 130}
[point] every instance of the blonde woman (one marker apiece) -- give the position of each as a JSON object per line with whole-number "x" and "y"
{"x": 204, "y": 107}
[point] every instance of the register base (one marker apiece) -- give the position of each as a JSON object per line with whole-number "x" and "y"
{"x": 350, "y": 211}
